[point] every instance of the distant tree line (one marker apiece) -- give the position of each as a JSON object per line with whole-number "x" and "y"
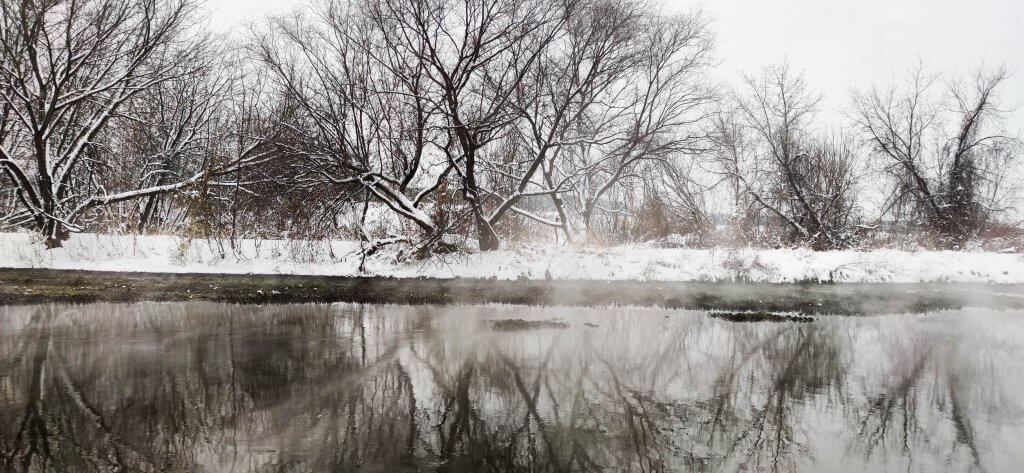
{"x": 483, "y": 120}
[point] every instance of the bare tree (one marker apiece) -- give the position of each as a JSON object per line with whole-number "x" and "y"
{"x": 360, "y": 127}
{"x": 397, "y": 96}
{"x": 171, "y": 133}
{"x": 622, "y": 87}
{"x": 685, "y": 188}
{"x": 659, "y": 109}
{"x": 948, "y": 176}
{"x": 803, "y": 177}
{"x": 69, "y": 70}
{"x": 515, "y": 102}
{"x": 559, "y": 105}
{"x": 476, "y": 53}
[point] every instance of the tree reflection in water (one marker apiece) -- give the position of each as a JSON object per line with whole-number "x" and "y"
{"x": 207, "y": 387}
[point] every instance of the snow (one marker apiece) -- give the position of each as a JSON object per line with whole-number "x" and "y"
{"x": 627, "y": 262}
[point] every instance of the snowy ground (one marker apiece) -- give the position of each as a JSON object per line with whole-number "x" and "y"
{"x": 631, "y": 262}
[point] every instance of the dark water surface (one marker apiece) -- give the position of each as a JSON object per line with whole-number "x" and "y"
{"x": 304, "y": 388}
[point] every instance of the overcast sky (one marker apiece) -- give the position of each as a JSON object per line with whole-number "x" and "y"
{"x": 837, "y": 44}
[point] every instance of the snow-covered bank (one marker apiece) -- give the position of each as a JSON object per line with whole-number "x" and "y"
{"x": 631, "y": 262}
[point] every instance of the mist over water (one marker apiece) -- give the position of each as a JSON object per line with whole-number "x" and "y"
{"x": 294, "y": 388}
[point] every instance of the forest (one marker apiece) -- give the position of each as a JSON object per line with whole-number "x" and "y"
{"x": 446, "y": 125}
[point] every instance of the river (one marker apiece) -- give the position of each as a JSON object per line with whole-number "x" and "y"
{"x": 203, "y": 386}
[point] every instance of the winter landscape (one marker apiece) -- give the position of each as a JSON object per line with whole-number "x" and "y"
{"x": 511, "y": 235}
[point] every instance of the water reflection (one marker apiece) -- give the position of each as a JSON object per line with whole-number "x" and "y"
{"x": 207, "y": 387}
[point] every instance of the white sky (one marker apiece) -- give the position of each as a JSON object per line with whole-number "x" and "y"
{"x": 843, "y": 44}
{"x": 838, "y": 44}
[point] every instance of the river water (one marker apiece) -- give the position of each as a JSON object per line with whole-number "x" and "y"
{"x": 315, "y": 388}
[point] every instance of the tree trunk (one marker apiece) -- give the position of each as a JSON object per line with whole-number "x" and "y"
{"x": 55, "y": 234}
{"x": 488, "y": 239}
{"x": 588, "y": 214}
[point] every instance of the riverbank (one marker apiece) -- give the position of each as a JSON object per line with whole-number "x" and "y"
{"x": 639, "y": 262}
{"x": 37, "y": 286}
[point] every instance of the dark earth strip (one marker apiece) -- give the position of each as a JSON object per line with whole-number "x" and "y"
{"x": 33, "y": 286}
{"x": 515, "y": 325}
{"x": 759, "y": 317}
